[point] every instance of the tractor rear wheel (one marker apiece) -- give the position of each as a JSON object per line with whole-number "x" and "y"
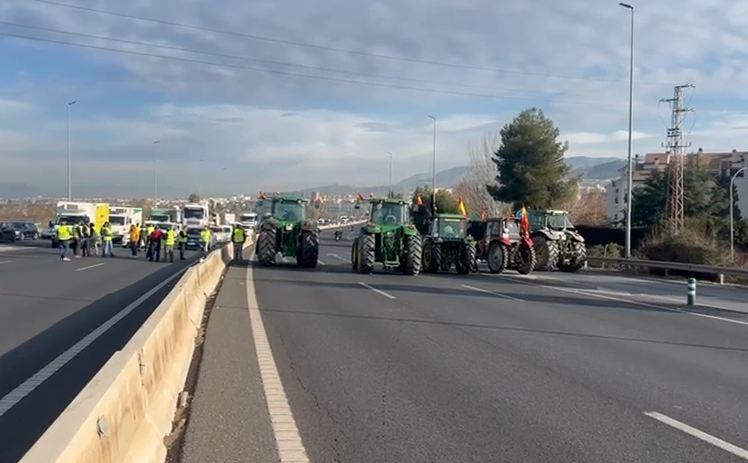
{"x": 368, "y": 254}
{"x": 354, "y": 255}
{"x": 413, "y": 256}
{"x": 266, "y": 246}
{"x": 546, "y": 253}
{"x": 463, "y": 261}
{"x": 498, "y": 257}
{"x": 473, "y": 257}
{"x": 524, "y": 258}
{"x": 578, "y": 257}
{"x": 309, "y": 252}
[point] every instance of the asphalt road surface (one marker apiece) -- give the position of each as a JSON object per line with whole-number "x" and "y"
{"x": 586, "y": 367}
{"x": 55, "y": 331}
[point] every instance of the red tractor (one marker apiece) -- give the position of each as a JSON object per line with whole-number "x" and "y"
{"x": 504, "y": 244}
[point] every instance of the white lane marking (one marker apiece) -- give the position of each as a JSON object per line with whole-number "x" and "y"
{"x": 730, "y": 320}
{"x": 287, "y": 438}
{"x": 5, "y": 261}
{"x": 90, "y": 266}
{"x": 378, "y": 291}
{"x": 495, "y": 293}
{"x": 339, "y": 258}
{"x": 11, "y": 248}
{"x": 320, "y": 262}
{"x": 28, "y": 386}
{"x": 734, "y": 449}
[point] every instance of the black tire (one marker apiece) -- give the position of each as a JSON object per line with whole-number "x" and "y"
{"x": 413, "y": 255}
{"x": 368, "y": 254}
{"x": 354, "y": 255}
{"x": 524, "y": 259}
{"x": 578, "y": 258}
{"x": 266, "y": 246}
{"x": 546, "y": 253}
{"x": 437, "y": 257}
{"x": 307, "y": 256}
{"x": 473, "y": 257}
{"x": 497, "y": 258}
{"x": 462, "y": 263}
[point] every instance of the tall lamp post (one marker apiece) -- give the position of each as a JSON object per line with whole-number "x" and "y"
{"x": 732, "y": 214}
{"x": 433, "y": 170}
{"x": 629, "y": 182}
{"x": 390, "y": 177}
{"x": 155, "y": 174}
{"x": 70, "y": 181}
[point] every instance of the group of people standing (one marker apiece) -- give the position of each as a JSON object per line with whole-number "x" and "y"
{"x": 84, "y": 240}
{"x": 155, "y": 239}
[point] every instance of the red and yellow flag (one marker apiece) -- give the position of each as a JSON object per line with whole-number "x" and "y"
{"x": 262, "y": 195}
{"x": 359, "y": 198}
{"x": 524, "y": 220}
{"x": 461, "y": 206}
{"x": 419, "y": 201}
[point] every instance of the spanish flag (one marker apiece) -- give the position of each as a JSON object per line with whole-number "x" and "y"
{"x": 262, "y": 195}
{"x": 419, "y": 201}
{"x": 524, "y": 220}
{"x": 359, "y": 198}
{"x": 461, "y": 206}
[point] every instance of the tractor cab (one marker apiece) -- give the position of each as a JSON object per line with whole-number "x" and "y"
{"x": 389, "y": 213}
{"x": 446, "y": 227}
{"x": 550, "y": 219}
{"x": 558, "y": 245}
{"x": 448, "y": 244}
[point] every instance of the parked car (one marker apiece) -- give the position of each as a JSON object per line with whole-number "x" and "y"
{"x": 221, "y": 234}
{"x": 18, "y": 231}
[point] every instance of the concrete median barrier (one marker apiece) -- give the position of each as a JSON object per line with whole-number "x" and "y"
{"x": 125, "y": 412}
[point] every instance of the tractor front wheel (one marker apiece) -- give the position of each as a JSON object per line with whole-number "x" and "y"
{"x": 497, "y": 257}
{"x": 578, "y": 257}
{"x": 266, "y": 246}
{"x": 368, "y": 254}
{"x": 524, "y": 258}
{"x": 413, "y": 256}
{"x": 354, "y": 255}
{"x": 309, "y": 252}
{"x": 462, "y": 263}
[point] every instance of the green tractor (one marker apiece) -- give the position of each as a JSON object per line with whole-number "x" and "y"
{"x": 389, "y": 238}
{"x": 447, "y": 243}
{"x": 557, "y": 243}
{"x": 284, "y": 229}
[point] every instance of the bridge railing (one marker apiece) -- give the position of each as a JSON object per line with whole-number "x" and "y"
{"x": 718, "y": 271}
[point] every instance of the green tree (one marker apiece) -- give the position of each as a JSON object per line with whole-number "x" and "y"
{"x": 531, "y": 165}
{"x": 446, "y": 202}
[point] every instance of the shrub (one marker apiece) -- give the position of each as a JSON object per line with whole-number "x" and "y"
{"x": 605, "y": 250}
{"x": 688, "y": 247}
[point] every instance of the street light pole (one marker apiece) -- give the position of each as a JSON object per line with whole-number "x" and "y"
{"x": 70, "y": 185}
{"x": 732, "y": 218}
{"x": 433, "y": 171}
{"x": 155, "y": 174}
{"x": 390, "y": 178}
{"x": 629, "y": 174}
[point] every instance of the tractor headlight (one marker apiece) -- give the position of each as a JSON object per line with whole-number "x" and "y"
{"x": 289, "y": 227}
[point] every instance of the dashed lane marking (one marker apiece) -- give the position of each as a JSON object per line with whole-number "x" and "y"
{"x": 90, "y": 266}
{"x": 287, "y": 438}
{"x": 699, "y": 434}
{"x": 28, "y": 386}
{"x": 495, "y": 293}
{"x": 339, "y": 258}
{"x": 378, "y": 291}
{"x": 5, "y": 261}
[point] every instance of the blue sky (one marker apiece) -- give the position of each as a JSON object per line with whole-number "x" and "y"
{"x": 226, "y": 130}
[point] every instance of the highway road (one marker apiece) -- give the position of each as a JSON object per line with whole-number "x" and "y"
{"x": 586, "y": 367}
{"x": 59, "y": 323}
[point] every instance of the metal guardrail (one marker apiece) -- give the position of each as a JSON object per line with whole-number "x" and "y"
{"x": 711, "y": 269}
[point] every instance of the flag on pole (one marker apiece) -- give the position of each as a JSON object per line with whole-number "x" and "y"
{"x": 461, "y": 206}
{"x": 524, "y": 220}
{"x": 262, "y": 195}
{"x": 419, "y": 201}
{"x": 359, "y": 198}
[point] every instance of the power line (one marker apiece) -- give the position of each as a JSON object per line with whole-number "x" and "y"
{"x": 295, "y": 74}
{"x": 319, "y": 47}
{"x": 237, "y": 57}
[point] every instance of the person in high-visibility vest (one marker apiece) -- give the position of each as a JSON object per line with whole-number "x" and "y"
{"x": 106, "y": 236}
{"x": 182, "y": 243}
{"x": 205, "y": 239}
{"x": 238, "y": 237}
{"x": 94, "y": 240}
{"x": 63, "y": 237}
{"x": 169, "y": 244}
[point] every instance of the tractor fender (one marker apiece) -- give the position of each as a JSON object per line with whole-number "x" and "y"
{"x": 269, "y": 224}
{"x": 370, "y": 230}
{"x": 308, "y": 225}
{"x": 548, "y": 235}
{"x": 574, "y": 236}
{"x": 410, "y": 230}
{"x": 505, "y": 241}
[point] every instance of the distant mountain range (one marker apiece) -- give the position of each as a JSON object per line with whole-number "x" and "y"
{"x": 590, "y": 168}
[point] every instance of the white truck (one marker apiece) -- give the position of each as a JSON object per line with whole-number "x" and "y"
{"x": 73, "y": 213}
{"x": 121, "y": 218}
{"x": 229, "y": 218}
{"x": 248, "y": 220}
{"x": 195, "y": 215}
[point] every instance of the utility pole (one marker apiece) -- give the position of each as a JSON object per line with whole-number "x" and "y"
{"x": 390, "y": 180}
{"x": 155, "y": 174}
{"x": 675, "y": 148}
{"x": 433, "y": 171}
{"x": 70, "y": 170}
{"x": 629, "y": 170}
